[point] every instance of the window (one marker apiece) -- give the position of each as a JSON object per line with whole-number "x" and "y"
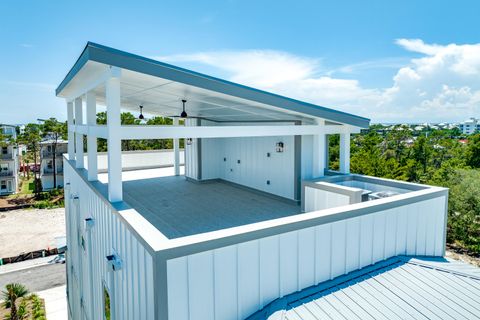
{"x": 3, "y": 185}
{"x": 4, "y": 150}
{"x": 50, "y": 164}
{"x": 106, "y": 303}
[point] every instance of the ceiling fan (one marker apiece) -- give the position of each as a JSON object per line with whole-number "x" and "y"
{"x": 184, "y": 113}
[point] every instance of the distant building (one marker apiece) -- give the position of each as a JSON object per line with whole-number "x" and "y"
{"x": 9, "y": 163}
{"x": 470, "y": 126}
{"x": 46, "y": 166}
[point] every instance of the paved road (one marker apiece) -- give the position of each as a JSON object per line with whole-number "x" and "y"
{"x": 36, "y": 278}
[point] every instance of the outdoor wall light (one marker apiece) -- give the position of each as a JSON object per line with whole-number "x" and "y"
{"x": 189, "y": 141}
{"x": 279, "y": 147}
{"x": 89, "y": 223}
{"x": 141, "y": 117}
{"x": 114, "y": 262}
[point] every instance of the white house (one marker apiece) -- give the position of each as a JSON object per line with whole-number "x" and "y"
{"x": 470, "y": 126}
{"x": 255, "y": 215}
{"x": 9, "y": 162}
{"x": 47, "y": 168}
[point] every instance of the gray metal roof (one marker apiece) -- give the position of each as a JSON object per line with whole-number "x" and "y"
{"x": 398, "y": 288}
{"x": 113, "y": 57}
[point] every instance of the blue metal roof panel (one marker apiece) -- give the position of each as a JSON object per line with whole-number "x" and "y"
{"x": 398, "y": 288}
{"x": 122, "y": 59}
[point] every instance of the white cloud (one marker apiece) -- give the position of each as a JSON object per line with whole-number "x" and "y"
{"x": 443, "y": 84}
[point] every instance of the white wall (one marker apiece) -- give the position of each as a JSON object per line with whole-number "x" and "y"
{"x": 47, "y": 181}
{"x": 139, "y": 159}
{"x": 191, "y": 154}
{"x": 255, "y": 167}
{"x": 235, "y": 281}
{"x": 319, "y": 199}
{"x": 131, "y": 288}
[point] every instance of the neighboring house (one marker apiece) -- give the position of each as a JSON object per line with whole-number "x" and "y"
{"x": 9, "y": 162}
{"x": 470, "y": 126}
{"x": 47, "y": 157}
{"x": 256, "y": 217}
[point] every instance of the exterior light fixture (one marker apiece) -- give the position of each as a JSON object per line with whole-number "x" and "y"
{"x": 114, "y": 262}
{"x": 89, "y": 223}
{"x": 189, "y": 141}
{"x": 141, "y": 117}
{"x": 279, "y": 147}
{"x": 183, "y": 114}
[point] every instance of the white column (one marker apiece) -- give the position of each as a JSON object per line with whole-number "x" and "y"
{"x": 91, "y": 139}
{"x": 78, "y": 136}
{"x": 345, "y": 152}
{"x": 114, "y": 141}
{"x": 319, "y": 149}
{"x": 71, "y": 134}
{"x": 176, "y": 151}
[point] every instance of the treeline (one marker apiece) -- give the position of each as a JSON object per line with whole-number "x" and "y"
{"x": 436, "y": 157}
{"x": 147, "y": 144}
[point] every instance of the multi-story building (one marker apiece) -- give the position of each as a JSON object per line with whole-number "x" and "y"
{"x": 9, "y": 162}
{"x": 47, "y": 168}
{"x": 256, "y": 226}
{"x": 470, "y": 126}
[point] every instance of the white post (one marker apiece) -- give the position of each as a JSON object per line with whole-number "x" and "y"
{"x": 176, "y": 151}
{"x": 78, "y": 136}
{"x": 91, "y": 139}
{"x": 345, "y": 152}
{"x": 319, "y": 149}
{"x": 114, "y": 140}
{"x": 71, "y": 134}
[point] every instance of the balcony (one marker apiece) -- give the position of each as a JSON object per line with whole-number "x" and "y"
{"x": 6, "y": 173}
{"x": 49, "y": 154}
{"x": 232, "y": 241}
{"x": 50, "y": 170}
{"x": 6, "y": 156}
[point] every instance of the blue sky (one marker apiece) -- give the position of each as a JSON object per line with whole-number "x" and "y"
{"x": 387, "y": 60}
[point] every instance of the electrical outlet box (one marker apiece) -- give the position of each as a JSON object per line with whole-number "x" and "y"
{"x": 114, "y": 262}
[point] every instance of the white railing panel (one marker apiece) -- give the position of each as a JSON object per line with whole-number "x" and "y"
{"x": 249, "y": 275}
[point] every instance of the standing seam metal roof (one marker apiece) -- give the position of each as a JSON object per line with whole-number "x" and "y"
{"x": 398, "y": 288}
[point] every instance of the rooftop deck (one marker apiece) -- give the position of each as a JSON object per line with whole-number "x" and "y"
{"x": 177, "y": 207}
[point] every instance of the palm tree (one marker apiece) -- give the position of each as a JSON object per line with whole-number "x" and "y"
{"x": 12, "y": 292}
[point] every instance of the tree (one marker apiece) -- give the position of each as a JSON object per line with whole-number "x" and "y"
{"x": 473, "y": 151}
{"x": 31, "y": 138}
{"x": 55, "y": 130}
{"x": 12, "y": 292}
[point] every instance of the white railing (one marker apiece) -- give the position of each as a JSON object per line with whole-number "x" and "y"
{"x": 232, "y": 273}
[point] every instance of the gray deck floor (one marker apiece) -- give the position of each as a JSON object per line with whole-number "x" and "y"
{"x": 178, "y": 207}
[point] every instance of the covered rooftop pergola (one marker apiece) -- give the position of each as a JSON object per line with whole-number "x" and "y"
{"x": 123, "y": 81}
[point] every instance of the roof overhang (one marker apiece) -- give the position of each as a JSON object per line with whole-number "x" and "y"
{"x": 159, "y": 87}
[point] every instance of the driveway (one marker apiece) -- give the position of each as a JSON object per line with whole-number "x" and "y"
{"x": 36, "y": 278}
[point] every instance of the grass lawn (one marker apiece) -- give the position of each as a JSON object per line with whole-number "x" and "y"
{"x": 27, "y": 186}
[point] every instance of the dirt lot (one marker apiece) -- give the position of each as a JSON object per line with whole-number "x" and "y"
{"x": 29, "y": 230}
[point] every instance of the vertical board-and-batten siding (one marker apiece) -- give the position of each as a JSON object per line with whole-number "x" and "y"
{"x": 192, "y": 160}
{"x": 131, "y": 288}
{"x": 245, "y": 161}
{"x": 318, "y": 199}
{"x": 235, "y": 281}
